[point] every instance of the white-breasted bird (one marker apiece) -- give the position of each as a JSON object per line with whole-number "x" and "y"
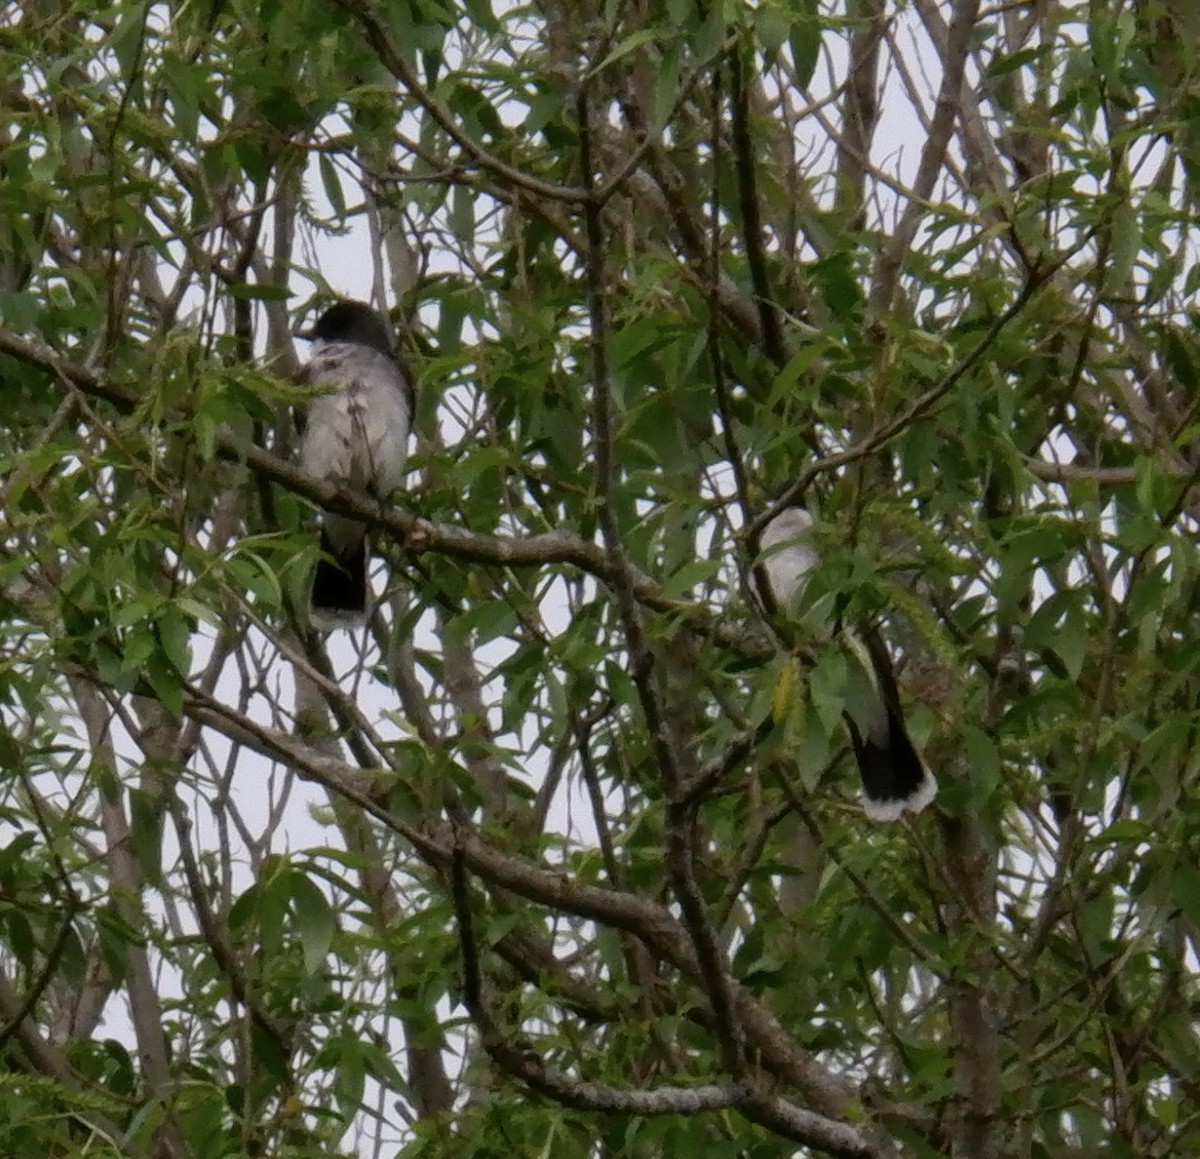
{"x": 894, "y": 778}
{"x": 356, "y": 437}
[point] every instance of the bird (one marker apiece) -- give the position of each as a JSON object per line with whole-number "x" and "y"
{"x": 895, "y": 779}
{"x": 355, "y": 436}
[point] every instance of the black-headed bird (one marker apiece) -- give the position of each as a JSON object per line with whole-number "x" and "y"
{"x": 355, "y": 437}
{"x": 894, "y": 778}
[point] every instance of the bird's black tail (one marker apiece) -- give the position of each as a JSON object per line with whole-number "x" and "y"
{"x": 894, "y": 778}
{"x": 339, "y": 588}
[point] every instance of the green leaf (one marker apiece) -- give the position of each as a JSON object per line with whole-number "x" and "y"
{"x": 486, "y": 620}
{"x": 698, "y": 573}
{"x": 827, "y": 686}
{"x": 628, "y": 44}
{"x": 805, "y": 39}
{"x": 666, "y": 84}
{"x": 462, "y": 216}
{"x": 331, "y": 182}
{"x": 164, "y": 678}
{"x": 125, "y": 40}
{"x": 315, "y": 920}
{"x": 1004, "y": 63}
{"x": 174, "y": 633}
{"x": 984, "y": 760}
{"x": 1126, "y": 244}
{"x": 19, "y": 310}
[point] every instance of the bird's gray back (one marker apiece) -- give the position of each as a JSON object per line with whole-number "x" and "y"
{"x": 357, "y": 435}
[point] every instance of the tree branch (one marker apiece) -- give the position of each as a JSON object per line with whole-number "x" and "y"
{"x": 954, "y": 61}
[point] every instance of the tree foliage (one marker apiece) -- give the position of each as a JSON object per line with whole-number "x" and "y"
{"x": 562, "y": 855}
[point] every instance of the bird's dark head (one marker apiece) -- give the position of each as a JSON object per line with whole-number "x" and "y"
{"x": 351, "y": 322}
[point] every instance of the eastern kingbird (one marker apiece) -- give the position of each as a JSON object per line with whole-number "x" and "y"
{"x": 894, "y": 778}
{"x": 356, "y": 437}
